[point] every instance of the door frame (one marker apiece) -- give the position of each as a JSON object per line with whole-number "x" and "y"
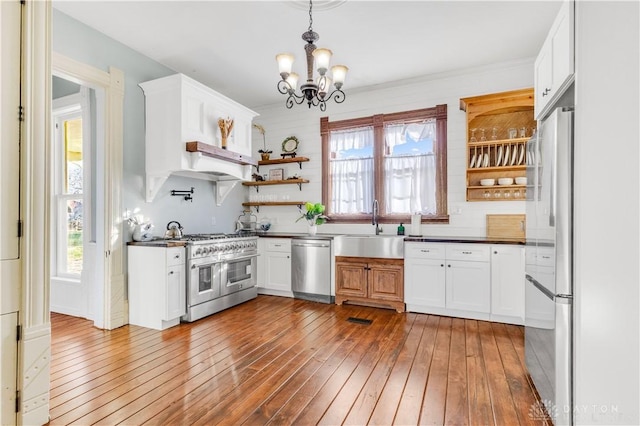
{"x": 110, "y": 305}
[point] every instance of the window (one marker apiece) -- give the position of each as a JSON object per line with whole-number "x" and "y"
{"x": 68, "y": 207}
{"x": 398, "y": 159}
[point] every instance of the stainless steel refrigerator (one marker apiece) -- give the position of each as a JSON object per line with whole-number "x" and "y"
{"x": 548, "y": 253}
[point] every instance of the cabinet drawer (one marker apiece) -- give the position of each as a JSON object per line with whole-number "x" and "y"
{"x": 470, "y": 252}
{"x": 424, "y": 251}
{"x": 283, "y": 245}
{"x": 175, "y": 256}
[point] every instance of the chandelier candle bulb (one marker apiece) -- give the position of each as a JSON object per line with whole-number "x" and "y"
{"x": 339, "y": 73}
{"x": 322, "y": 57}
{"x": 285, "y": 62}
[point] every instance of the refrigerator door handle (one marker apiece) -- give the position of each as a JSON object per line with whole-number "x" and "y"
{"x": 540, "y": 287}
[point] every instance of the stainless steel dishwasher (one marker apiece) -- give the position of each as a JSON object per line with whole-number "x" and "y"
{"x": 311, "y": 269}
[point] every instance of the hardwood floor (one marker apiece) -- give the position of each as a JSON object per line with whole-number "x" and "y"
{"x": 280, "y": 361}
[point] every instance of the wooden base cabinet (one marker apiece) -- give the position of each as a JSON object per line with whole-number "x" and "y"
{"x": 370, "y": 281}
{"x": 157, "y": 286}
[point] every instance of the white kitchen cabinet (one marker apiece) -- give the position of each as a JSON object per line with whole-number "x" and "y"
{"x": 178, "y": 110}
{"x": 157, "y": 286}
{"x": 553, "y": 69}
{"x": 9, "y": 352}
{"x": 507, "y": 283}
{"x": 10, "y": 135}
{"x": 274, "y": 266}
{"x": 448, "y": 279}
{"x": 424, "y": 276}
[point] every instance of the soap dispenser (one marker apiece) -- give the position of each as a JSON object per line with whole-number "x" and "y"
{"x": 401, "y": 229}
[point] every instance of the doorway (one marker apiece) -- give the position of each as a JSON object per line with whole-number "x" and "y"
{"x": 73, "y": 213}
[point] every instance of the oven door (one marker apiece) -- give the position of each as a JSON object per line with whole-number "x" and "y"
{"x": 239, "y": 273}
{"x": 203, "y": 283}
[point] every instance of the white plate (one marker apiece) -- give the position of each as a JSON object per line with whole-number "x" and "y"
{"x": 473, "y": 162}
{"x": 507, "y": 151}
{"x": 514, "y": 155}
{"x": 485, "y": 162}
{"x": 499, "y": 159}
{"x": 521, "y": 155}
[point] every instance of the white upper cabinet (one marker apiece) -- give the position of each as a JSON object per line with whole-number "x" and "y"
{"x": 178, "y": 110}
{"x": 9, "y": 128}
{"x": 554, "y": 64}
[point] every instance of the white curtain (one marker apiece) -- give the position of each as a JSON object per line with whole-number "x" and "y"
{"x": 410, "y": 168}
{"x": 410, "y": 184}
{"x": 351, "y": 168}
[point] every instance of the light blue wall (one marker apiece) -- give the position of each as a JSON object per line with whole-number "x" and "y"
{"x": 84, "y": 44}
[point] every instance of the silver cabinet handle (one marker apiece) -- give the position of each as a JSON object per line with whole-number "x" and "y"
{"x": 424, "y": 251}
{"x": 495, "y": 252}
{"x": 177, "y": 256}
{"x": 467, "y": 252}
{"x": 170, "y": 272}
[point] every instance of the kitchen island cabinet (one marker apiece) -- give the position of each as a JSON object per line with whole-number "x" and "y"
{"x": 370, "y": 281}
{"x": 274, "y": 266}
{"x": 157, "y": 286}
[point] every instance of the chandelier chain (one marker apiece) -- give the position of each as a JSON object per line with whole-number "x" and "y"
{"x": 310, "y": 15}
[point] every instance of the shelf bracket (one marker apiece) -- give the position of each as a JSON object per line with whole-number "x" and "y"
{"x": 300, "y": 164}
{"x": 300, "y": 186}
{"x": 257, "y": 166}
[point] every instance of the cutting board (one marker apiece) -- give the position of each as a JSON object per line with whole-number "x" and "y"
{"x": 506, "y": 226}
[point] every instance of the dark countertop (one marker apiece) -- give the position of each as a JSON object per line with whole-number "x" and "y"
{"x": 419, "y": 239}
{"x": 466, "y": 240}
{"x": 160, "y": 242}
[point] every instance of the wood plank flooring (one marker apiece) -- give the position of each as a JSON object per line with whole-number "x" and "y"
{"x": 280, "y": 361}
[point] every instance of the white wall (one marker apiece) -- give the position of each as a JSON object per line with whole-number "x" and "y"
{"x": 466, "y": 219}
{"x": 607, "y": 189}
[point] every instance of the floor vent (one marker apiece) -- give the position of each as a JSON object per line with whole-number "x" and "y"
{"x": 360, "y": 320}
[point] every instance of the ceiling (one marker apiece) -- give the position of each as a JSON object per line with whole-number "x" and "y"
{"x": 231, "y": 45}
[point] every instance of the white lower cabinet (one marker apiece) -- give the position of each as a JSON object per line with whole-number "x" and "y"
{"x": 274, "y": 266}
{"x": 157, "y": 286}
{"x": 465, "y": 280}
{"x": 507, "y": 288}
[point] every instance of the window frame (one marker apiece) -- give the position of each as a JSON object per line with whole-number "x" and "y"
{"x": 378, "y": 121}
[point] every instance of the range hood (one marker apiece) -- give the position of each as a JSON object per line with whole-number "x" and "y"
{"x": 182, "y": 135}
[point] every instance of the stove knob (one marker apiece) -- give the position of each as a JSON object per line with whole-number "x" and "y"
{"x": 198, "y": 251}
{"x": 214, "y": 249}
{"x": 205, "y": 250}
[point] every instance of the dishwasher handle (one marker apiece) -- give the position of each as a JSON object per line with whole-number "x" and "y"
{"x": 310, "y": 245}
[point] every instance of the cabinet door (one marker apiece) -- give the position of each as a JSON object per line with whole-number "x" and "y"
{"x": 507, "y": 279}
{"x": 351, "y": 279}
{"x": 9, "y": 357}
{"x": 386, "y": 282}
{"x": 425, "y": 282}
{"x": 543, "y": 69}
{"x": 260, "y": 263}
{"x": 175, "y": 303}
{"x": 9, "y": 128}
{"x": 277, "y": 271}
{"x": 468, "y": 286}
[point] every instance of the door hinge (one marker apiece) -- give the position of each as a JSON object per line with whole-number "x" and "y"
{"x": 20, "y": 113}
{"x": 17, "y": 401}
{"x": 19, "y": 229}
{"x": 18, "y": 332}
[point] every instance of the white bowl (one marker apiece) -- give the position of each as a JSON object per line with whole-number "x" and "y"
{"x": 505, "y": 181}
{"x": 487, "y": 182}
{"x": 521, "y": 181}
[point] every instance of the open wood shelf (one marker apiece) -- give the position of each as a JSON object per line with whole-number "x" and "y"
{"x": 257, "y": 204}
{"x": 298, "y": 160}
{"x": 259, "y": 183}
{"x": 498, "y": 142}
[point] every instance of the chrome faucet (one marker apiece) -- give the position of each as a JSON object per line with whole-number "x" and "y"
{"x": 374, "y": 217}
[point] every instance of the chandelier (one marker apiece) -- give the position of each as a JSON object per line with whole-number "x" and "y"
{"x": 314, "y": 92}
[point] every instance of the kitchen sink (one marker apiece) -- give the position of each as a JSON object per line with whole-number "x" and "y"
{"x": 382, "y": 246}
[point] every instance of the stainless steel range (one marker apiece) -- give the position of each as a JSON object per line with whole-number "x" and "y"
{"x": 221, "y": 272}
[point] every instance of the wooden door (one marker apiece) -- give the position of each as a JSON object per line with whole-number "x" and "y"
{"x": 386, "y": 282}
{"x": 351, "y": 279}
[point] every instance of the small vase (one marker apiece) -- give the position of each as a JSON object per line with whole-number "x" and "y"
{"x": 265, "y": 156}
{"x": 313, "y": 229}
